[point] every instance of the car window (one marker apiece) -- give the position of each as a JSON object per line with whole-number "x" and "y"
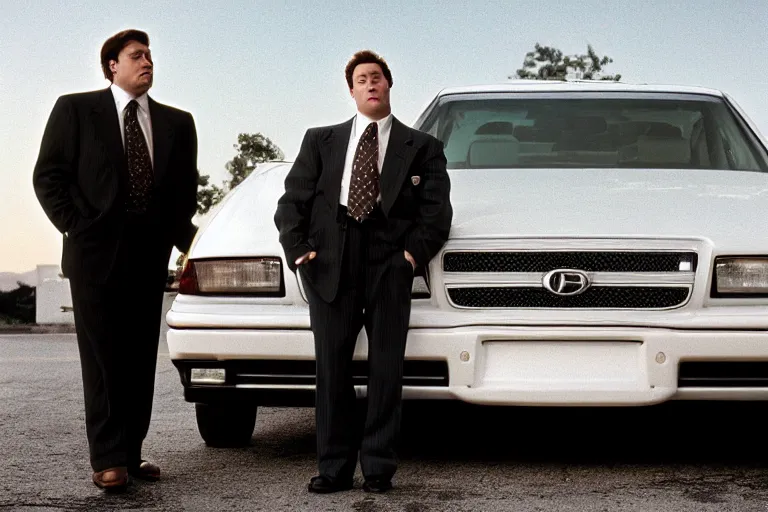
{"x": 601, "y": 130}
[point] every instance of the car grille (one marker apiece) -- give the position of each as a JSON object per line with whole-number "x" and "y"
{"x": 588, "y": 261}
{"x": 615, "y": 279}
{"x": 607, "y": 297}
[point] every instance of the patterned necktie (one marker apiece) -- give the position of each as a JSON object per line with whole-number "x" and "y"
{"x": 139, "y": 163}
{"x": 364, "y": 185}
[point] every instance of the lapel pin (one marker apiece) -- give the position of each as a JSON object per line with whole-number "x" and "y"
{"x": 415, "y": 180}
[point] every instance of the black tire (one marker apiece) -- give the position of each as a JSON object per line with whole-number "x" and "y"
{"x": 226, "y": 426}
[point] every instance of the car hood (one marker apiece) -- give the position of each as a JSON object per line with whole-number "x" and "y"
{"x": 727, "y": 208}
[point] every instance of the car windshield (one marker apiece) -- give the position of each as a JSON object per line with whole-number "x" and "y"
{"x": 557, "y": 130}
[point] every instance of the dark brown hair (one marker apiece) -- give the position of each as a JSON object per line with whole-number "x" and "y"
{"x": 366, "y": 57}
{"x": 115, "y": 44}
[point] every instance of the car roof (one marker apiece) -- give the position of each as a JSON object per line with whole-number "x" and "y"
{"x": 577, "y": 86}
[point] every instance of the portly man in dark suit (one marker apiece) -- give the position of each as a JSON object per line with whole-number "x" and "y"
{"x": 117, "y": 175}
{"x": 366, "y": 203}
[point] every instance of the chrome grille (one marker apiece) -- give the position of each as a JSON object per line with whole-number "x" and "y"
{"x": 604, "y": 297}
{"x": 610, "y": 279}
{"x": 588, "y": 261}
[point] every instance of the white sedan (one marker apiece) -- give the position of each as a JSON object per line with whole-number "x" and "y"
{"x": 609, "y": 247}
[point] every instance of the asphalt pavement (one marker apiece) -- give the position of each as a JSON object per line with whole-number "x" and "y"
{"x": 676, "y": 457}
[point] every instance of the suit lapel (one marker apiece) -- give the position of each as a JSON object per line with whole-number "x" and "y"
{"x": 399, "y": 151}
{"x": 162, "y": 137}
{"x": 334, "y": 147}
{"x": 108, "y": 128}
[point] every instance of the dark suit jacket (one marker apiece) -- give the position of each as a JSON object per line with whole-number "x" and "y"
{"x": 81, "y": 179}
{"x": 418, "y": 216}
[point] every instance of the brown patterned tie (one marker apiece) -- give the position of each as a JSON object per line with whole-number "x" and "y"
{"x": 139, "y": 163}
{"x": 364, "y": 185}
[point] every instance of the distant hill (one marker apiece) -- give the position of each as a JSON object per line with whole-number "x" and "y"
{"x": 9, "y": 280}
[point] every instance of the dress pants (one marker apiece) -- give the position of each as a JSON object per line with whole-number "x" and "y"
{"x": 374, "y": 293}
{"x": 118, "y": 328}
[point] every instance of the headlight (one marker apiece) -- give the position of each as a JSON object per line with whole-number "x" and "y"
{"x": 257, "y": 276}
{"x": 741, "y": 276}
{"x": 420, "y": 288}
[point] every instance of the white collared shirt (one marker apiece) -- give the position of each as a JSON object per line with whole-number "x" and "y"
{"x": 122, "y": 99}
{"x": 359, "y": 124}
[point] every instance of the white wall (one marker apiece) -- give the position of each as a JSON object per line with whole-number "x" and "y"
{"x": 53, "y": 299}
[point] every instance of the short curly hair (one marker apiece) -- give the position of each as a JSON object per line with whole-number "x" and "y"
{"x": 366, "y": 57}
{"x": 115, "y": 44}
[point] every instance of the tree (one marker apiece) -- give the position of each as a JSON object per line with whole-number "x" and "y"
{"x": 208, "y": 194}
{"x": 252, "y": 149}
{"x": 18, "y": 306}
{"x": 549, "y": 63}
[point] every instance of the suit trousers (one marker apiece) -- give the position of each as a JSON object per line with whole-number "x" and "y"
{"x": 374, "y": 293}
{"x": 118, "y": 328}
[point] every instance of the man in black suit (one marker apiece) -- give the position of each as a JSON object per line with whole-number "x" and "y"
{"x": 356, "y": 241}
{"x": 117, "y": 175}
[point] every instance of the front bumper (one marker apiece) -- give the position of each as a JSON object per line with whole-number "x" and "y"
{"x": 498, "y": 365}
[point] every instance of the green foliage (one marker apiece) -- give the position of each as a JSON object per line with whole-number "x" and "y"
{"x": 18, "y": 306}
{"x": 549, "y": 63}
{"x": 252, "y": 149}
{"x": 208, "y": 194}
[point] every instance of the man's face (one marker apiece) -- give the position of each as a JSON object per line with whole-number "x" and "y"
{"x": 132, "y": 71}
{"x": 371, "y": 91}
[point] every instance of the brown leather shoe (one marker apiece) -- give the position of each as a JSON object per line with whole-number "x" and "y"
{"x": 112, "y": 479}
{"x": 146, "y": 471}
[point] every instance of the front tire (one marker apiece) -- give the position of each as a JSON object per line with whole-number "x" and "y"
{"x": 226, "y": 426}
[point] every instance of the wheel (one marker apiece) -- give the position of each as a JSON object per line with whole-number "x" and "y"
{"x": 226, "y": 426}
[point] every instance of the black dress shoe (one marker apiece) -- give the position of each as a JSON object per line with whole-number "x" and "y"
{"x": 377, "y": 485}
{"x": 324, "y": 485}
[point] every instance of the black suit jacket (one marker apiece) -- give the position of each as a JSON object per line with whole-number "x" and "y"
{"x": 415, "y": 199}
{"x": 81, "y": 179}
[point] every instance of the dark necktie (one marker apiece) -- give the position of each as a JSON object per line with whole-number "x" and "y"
{"x": 364, "y": 185}
{"x": 139, "y": 163}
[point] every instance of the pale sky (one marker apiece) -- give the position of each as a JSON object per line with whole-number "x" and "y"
{"x": 264, "y": 66}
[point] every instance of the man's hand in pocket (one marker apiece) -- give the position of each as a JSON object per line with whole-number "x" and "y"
{"x": 308, "y": 256}
{"x": 410, "y": 259}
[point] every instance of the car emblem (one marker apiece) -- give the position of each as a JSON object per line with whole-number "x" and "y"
{"x": 415, "y": 180}
{"x": 566, "y": 282}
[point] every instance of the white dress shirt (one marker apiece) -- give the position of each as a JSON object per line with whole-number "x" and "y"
{"x": 359, "y": 124}
{"x": 122, "y": 99}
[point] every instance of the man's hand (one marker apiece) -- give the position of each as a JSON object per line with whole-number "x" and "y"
{"x": 410, "y": 259}
{"x": 305, "y": 258}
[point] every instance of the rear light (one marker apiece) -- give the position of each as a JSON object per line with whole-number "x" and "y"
{"x": 188, "y": 279}
{"x": 252, "y": 276}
